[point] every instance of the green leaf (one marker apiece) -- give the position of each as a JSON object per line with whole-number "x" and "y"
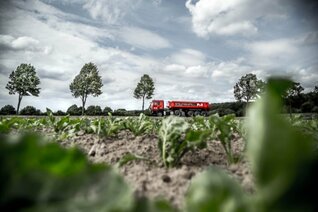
{"x": 45, "y": 177}
{"x": 282, "y": 157}
{"x": 144, "y": 205}
{"x": 214, "y": 190}
{"x": 224, "y": 128}
{"x": 176, "y": 139}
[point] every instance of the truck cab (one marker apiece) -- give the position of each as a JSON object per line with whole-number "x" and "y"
{"x": 157, "y": 107}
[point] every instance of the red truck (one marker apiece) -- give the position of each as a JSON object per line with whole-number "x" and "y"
{"x": 179, "y": 108}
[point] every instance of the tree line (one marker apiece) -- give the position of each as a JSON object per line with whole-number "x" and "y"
{"x": 24, "y": 82}
{"x": 73, "y": 110}
{"x": 249, "y": 88}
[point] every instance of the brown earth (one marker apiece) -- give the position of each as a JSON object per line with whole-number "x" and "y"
{"x": 149, "y": 177}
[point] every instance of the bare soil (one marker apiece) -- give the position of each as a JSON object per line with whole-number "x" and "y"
{"x": 149, "y": 177}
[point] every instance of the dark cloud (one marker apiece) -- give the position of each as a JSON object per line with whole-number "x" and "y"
{"x": 306, "y": 9}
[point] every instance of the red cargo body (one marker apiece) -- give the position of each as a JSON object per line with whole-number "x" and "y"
{"x": 188, "y": 105}
{"x": 179, "y": 108}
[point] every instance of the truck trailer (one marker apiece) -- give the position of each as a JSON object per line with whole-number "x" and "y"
{"x": 179, "y": 108}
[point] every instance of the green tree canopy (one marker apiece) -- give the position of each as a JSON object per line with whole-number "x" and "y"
{"x": 248, "y": 87}
{"x": 295, "y": 90}
{"x": 145, "y": 89}
{"x": 24, "y": 82}
{"x": 294, "y": 98}
{"x": 8, "y": 110}
{"x": 87, "y": 82}
{"x": 107, "y": 110}
{"x": 94, "y": 110}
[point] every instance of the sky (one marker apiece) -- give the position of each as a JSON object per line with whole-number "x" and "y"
{"x": 193, "y": 50}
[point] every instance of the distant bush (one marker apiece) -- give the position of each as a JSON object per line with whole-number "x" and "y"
{"x": 315, "y": 109}
{"x": 30, "y": 110}
{"x": 107, "y": 110}
{"x": 237, "y": 108}
{"x": 74, "y": 110}
{"x": 307, "y": 107}
{"x": 147, "y": 112}
{"x": 59, "y": 113}
{"x": 8, "y": 110}
{"x": 94, "y": 110}
{"x": 133, "y": 112}
{"x": 120, "y": 112}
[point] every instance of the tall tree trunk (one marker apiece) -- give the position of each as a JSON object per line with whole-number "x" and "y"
{"x": 19, "y": 101}
{"x": 143, "y": 103}
{"x": 83, "y": 106}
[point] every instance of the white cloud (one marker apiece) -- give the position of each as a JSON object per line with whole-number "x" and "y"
{"x": 275, "y": 54}
{"x": 188, "y": 63}
{"x": 175, "y": 68}
{"x": 230, "y": 70}
{"x": 197, "y": 71}
{"x": 110, "y": 11}
{"x": 273, "y": 48}
{"x": 243, "y": 27}
{"x": 143, "y": 38}
{"x": 188, "y": 57}
{"x": 235, "y": 17}
{"x": 23, "y": 43}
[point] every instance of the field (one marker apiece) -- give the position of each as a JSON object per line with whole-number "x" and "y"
{"x": 148, "y": 164}
{"x": 149, "y": 177}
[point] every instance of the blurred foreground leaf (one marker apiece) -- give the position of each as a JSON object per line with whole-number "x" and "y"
{"x": 214, "y": 190}
{"x": 44, "y": 177}
{"x": 283, "y": 158}
{"x": 284, "y": 163}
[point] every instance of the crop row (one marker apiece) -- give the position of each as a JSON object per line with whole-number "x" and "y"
{"x": 176, "y": 135}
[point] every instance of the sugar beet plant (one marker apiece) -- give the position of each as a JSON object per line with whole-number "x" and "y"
{"x": 225, "y": 128}
{"x": 138, "y": 126}
{"x": 220, "y": 128}
{"x": 176, "y": 138}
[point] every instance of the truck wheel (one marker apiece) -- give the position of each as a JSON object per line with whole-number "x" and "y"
{"x": 177, "y": 113}
{"x": 203, "y": 113}
{"x": 159, "y": 114}
{"x": 190, "y": 113}
{"x": 197, "y": 113}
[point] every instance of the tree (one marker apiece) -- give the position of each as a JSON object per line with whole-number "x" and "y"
{"x": 74, "y": 110}
{"x": 93, "y": 110}
{"x": 294, "y": 97}
{"x": 87, "y": 82}
{"x": 295, "y": 90}
{"x": 107, "y": 110}
{"x": 59, "y": 113}
{"x": 30, "y": 110}
{"x": 24, "y": 82}
{"x": 7, "y": 110}
{"x": 144, "y": 89}
{"x": 248, "y": 88}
